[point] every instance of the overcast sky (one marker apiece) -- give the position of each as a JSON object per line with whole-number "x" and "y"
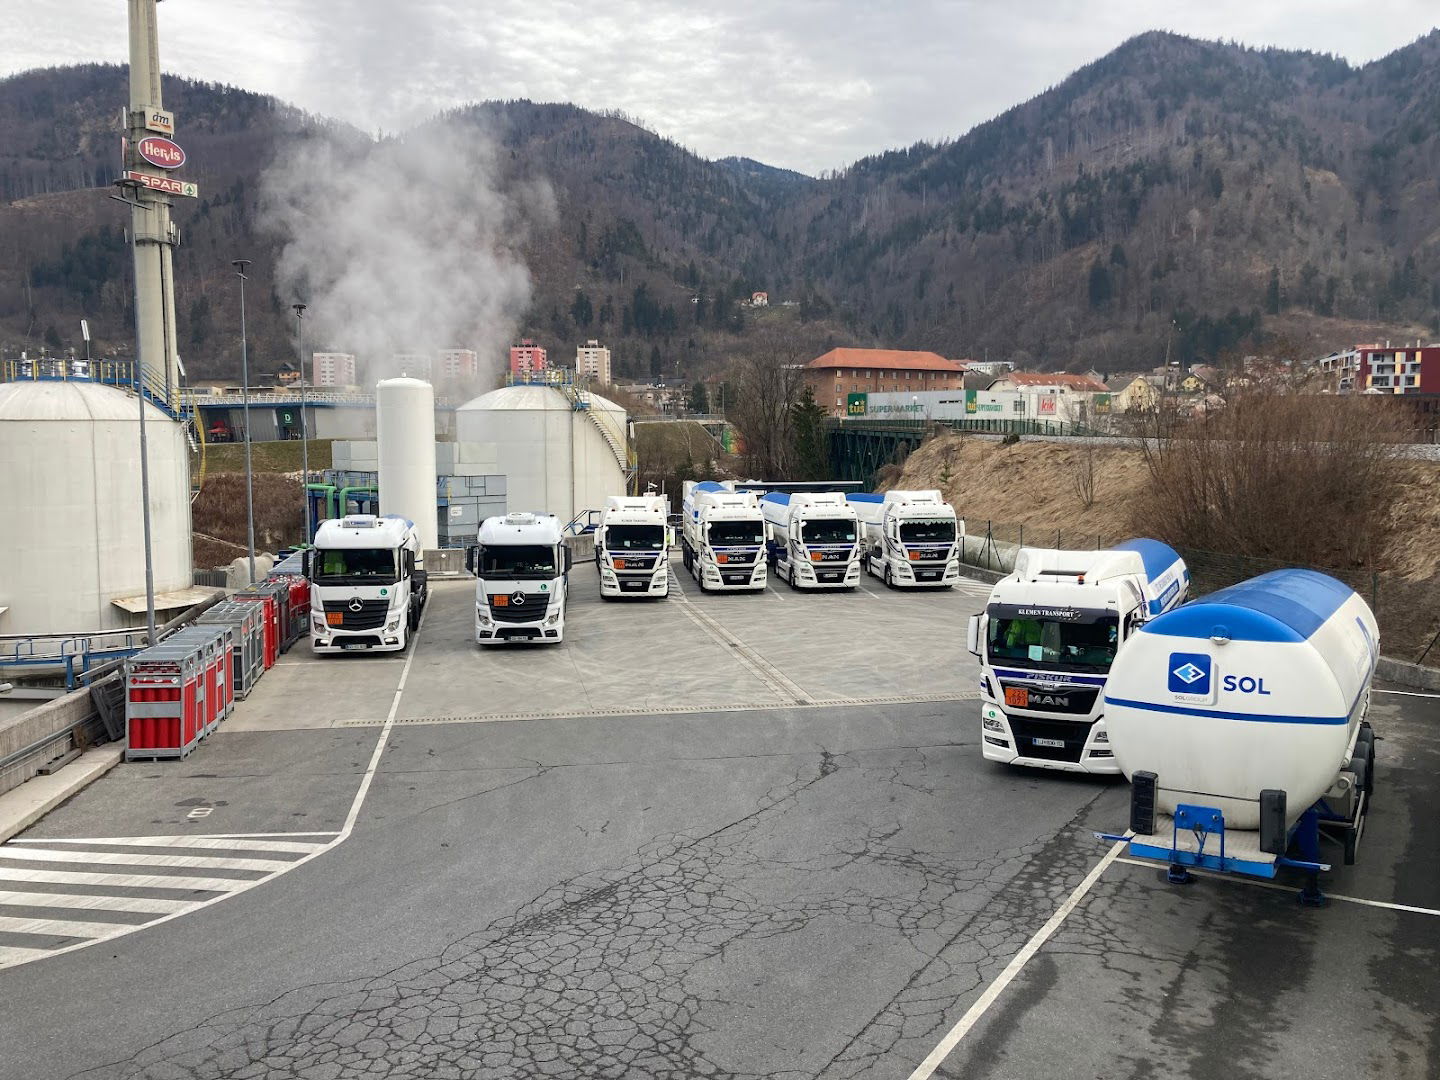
{"x": 807, "y": 84}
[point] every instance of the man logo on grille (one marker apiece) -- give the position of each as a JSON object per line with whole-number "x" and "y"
{"x": 356, "y": 604}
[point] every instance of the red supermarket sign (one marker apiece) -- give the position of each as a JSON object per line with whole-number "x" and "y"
{"x": 169, "y": 184}
{"x": 161, "y": 152}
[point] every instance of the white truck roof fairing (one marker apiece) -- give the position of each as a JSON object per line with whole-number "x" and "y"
{"x": 637, "y": 505}
{"x": 779, "y": 506}
{"x": 365, "y": 531}
{"x": 1258, "y": 686}
{"x": 871, "y": 507}
{"x": 712, "y": 497}
{"x": 1161, "y": 575}
{"x": 521, "y": 528}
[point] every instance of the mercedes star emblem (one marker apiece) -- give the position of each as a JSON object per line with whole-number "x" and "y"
{"x": 356, "y": 604}
{"x": 517, "y": 598}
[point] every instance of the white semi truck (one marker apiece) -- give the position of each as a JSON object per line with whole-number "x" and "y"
{"x": 632, "y": 546}
{"x": 1240, "y": 720}
{"x": 1047, "y": 638}
{"x": 912, "y": 538}
{"x": 520, "y": 563}
{"x": 813, "y": 539}
{"x": 367, "y": 590}
{"x": 722, "y": 540}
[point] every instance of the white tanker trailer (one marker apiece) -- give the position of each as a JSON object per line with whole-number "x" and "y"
{"x": 1240, "y": 720}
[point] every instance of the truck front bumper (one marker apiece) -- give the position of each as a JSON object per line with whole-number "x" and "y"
{"x": 1029, "y": 741}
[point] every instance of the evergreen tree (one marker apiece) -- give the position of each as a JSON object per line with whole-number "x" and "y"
{"x": 699, "y": 398}
{"x": 807, "y": 425}
{"x": 657, "y": 364}
{"x": 1100, "y": 286}
{"x": 1272, "y": 292}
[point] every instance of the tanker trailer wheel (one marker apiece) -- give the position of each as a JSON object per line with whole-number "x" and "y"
{"x": 1365, "y": 751}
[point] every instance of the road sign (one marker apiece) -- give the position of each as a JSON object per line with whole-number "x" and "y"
{"x": 169, "y": 184}
{"x": 161, "y": 152}
{"x": 160, "y": 120}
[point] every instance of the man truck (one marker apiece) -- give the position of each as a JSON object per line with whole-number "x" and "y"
{"x": 812, "y": 539}
{"x": 911, "y": 537}
{"x": 367, "y": 590}
{"x": 520, "y": 563}
{"x": 722, "y": 540}
{"x": 1046, "y": 640}
{"x": 632, "y": 546}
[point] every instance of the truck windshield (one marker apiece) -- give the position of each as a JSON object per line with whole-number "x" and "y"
{"x": 634, "y": 537}
{"x": 518, "y": 561}
{"x": 829, "y": 531}
{"x": 354, "y": 566}
{"x": 725, "y": 533}
{"x": 927, "y": 532}
{"x": 1057, "y": 645}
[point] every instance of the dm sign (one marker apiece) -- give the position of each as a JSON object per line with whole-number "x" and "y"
{"x": 161, "y": 152}
{"x": 855, "y": 405}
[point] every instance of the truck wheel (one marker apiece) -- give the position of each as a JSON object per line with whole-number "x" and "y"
{"x": 888, "y": 583}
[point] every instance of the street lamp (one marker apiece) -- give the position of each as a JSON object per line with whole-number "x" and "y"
{"x": 240, "y": 265}
{"x": 304, "y": 425}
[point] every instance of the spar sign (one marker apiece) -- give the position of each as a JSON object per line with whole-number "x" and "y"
{"x": 171, "y": 185}
{"x": 161, "y": 152}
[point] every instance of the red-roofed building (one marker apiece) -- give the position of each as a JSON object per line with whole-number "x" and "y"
{"x": 841, "y": 372}
{"x": 1057, "y": 381}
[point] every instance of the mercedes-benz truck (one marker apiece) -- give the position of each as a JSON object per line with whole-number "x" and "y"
{"x": 366, "y": 592}
{"x": 1047, "y": 638}
{"x": 813, "y": 539}
{"x": 912, "y": 538}
{"x": 632, "y": 546}
{"x": 722, "y": 541}
{"x": 520, "y": 563}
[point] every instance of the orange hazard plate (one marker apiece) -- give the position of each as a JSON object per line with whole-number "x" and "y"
{"x": 500, "y": 601}
{"x": 1017, "y": 696}
{"x": 334, "y": 618}
{"x": 722, "y": 558}
{"x": 619, "y": 564}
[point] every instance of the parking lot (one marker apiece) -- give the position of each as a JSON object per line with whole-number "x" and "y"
{"x": 718, "y": 835}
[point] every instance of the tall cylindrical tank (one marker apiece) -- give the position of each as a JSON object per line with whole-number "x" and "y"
{"x": 556, "y": 458}
{"x": 405, "y": 430}
{"x": 70, "y": 486}
{"x": 1262, "y": 685}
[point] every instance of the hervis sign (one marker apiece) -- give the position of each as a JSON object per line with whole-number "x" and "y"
{"x": 161, "y": 152}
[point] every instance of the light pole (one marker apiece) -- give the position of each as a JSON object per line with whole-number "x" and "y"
{"x": 137, "y": 372}
{"x": 304, "y": 424}
{"x": 240, "y": 265}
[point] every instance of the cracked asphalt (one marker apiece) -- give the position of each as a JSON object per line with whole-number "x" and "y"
{"x": 766, "y": 892}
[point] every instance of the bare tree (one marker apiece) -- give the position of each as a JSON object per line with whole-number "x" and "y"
{"x": 1082, "y": 473}
{"x": 768, "y": 379}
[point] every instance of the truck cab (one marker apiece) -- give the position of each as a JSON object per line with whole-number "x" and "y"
{"x": 1046, "y": 640}
{"x": 632, "y": 546}
{"x": 521, "y": 566}
{"x": 722, "y": 540}
{"x": 367, "y": 587}
{"x": 912, "y": 538}
{"x": 813, "y": 539}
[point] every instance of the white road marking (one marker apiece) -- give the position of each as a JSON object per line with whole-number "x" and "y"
{"x": 1240, "y": 879}
{"x": 238, "y": 862}
{"x": 55, "y": 854}
{"x": 1406, "y": 693}
{"x": 1017, "y": 963}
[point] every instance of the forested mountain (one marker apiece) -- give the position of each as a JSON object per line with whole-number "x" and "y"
{"x": 1175, "y": 195}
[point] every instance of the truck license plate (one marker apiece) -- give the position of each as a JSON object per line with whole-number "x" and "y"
{"x": 1017, "y": 696}
{"x": 353, "y": 648}
{"x": 1058, "y": 744}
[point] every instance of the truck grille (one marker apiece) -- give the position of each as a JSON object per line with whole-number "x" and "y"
{"x": 1072, "y": 699}
{"x": 371, "y": 615}
{"x": 1026, "y": 731}
{"x": 525, "y": 613}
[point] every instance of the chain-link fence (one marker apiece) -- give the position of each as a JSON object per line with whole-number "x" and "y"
{"x": 1408, "y": 610}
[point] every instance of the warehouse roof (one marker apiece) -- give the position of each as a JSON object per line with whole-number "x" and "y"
{"x": 895, "y": 359}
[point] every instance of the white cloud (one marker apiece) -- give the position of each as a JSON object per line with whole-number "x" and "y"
{"x": 809, "y": 84}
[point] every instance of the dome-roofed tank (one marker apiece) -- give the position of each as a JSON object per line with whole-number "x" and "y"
{"x": 70, "y": 485}
{"x": 556, "y": 458}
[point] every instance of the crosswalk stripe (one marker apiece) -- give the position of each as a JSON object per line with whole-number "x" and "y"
{"x": 59, "y": 927}
{"x": 12, "y": 954}
{"x": 133, "y": 881}
{"x": 246, "y": 862}
{"x": 221, "y": 842}
{"x": 141, "y": 904}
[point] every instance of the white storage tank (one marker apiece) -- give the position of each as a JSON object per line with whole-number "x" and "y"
{"x": 557, "y": 459}
{"x": 1262, "y": 685}
{"x": 405, "y": 432}
{"x": 70, "y": 486}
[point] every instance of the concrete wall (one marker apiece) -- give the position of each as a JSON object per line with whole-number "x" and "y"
{"x": 51, "y": 720}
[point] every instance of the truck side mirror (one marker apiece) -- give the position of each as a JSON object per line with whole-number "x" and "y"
{"x": 472, "y": 558}
{"x": 972, "y": 635}
{"x": 569, "y": 559}
{"x": 305, "y": 563}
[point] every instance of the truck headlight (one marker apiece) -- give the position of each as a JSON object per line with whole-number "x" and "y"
{"x": 318, "y": 625}
{"x": 482, "y": 614}
{"x": 1102, "y": 736}
{"x": 989, "y": 723}
{"x": 552, "y": 619}
{"x": 391, "y": 625}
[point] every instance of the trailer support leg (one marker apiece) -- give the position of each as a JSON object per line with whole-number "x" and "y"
{"x": 1307, "y": 836}
{"x": 1178, "y": 875}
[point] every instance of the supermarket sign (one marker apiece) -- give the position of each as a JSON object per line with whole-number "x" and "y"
{"x": 170, "y": 185}
{"x": 855, "y": 405}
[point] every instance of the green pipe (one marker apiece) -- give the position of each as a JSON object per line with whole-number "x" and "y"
{"x": 345, "y": 494}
